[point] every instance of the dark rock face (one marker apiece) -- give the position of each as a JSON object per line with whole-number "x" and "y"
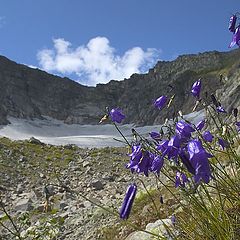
{"x": 32, "y": 93}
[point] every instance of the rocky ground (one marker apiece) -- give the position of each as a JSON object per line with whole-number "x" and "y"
{"x": 69, "y": 176}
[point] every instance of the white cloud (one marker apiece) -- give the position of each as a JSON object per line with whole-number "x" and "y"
{"x": 96, "y": 62}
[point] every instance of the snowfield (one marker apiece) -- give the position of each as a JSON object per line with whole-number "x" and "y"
{"x": 55, "y": 132}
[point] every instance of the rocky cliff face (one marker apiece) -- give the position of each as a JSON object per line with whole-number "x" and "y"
{"x": 32, "y": 93}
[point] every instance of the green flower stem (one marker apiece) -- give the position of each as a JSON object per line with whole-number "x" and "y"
{"x": 121, "y": 134}
{"x": 150, "y": 196}
{"x": 155, "y": 206}
{"x": 17, "y": 231}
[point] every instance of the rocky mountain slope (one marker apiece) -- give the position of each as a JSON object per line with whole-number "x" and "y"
{"x": 32, "y": 93}
{"x": 71, "y": 175}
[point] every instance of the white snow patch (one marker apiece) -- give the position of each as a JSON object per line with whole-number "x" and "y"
{"x": 56, "y": 132}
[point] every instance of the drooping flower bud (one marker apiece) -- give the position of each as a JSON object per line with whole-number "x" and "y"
{"x": 160, "y": 102}
{"x": 196, "y": 88}
{"x": 214, "y": 100}
{"x": 180, "y": 179}
{"x": 235, "y": 112}
{"x": 116, "y": 115}
{"x": 200, "y": 125}
{"x": 220, "y": 109}
{"x": 235, "y": 38}
{"x": 223, "y": 143}
{"x": 184, "y": 129}
{"x": 238, "y": 126}
{"x": 155, "y": 135}
{"x": 207, "y": 136}
{"x": 128, "y": 201}
{"x": 157, "y": 164}
{"x": 232, "y": 23}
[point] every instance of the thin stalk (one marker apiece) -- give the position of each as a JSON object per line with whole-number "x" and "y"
{"x": 121, "y": 134}
{"x": 11, "y": 220}
{"x": 150, "y": 196}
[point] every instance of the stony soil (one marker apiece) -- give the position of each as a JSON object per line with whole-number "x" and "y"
{"x": 71, "y": 176}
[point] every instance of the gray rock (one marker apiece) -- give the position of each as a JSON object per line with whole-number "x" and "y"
{"x": 156, "y": 228}
{"x": 86, "y": 164}
{"x": 34, "y": 140}
{"x": 97, "y": 185}
{"x": 63, "y": 206}
{"x": 23, "y": 205}
{"x": 64, "y": 215}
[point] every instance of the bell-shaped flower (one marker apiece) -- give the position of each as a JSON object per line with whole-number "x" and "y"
{"x": 128, "y": 201}
{"x": 116, "y": 115}
{"x": 235, "y": 112}
{"x": 157, "y": 164}
{"x": 196, "y": 88}
{"x": 162, "y": 146}
{"x": 155, "y": 135}
{"x": 220, "y": 109}
{"x": 223, "y": 143}
{"x": 145, "y": 163}
{"x": 232, "y": 23}
{"x": 173, "y": 219}
{"x": 207, "y": 136}
{"x": 180, "y": 179}
{"x": 200, "y": 125}
{"x": 199, "y": 160}
{"x": 235, "y": 38}
{"x": 136, "y": 155}
{"x": 185, "y": 160}
{"x": 173, "y": 147}
{"x": 184, "y": 129}
{"x": 160, "y": 102}
{"x": 238, "y": 126}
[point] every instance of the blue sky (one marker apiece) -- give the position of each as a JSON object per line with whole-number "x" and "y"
{"x": 94, "y": 41}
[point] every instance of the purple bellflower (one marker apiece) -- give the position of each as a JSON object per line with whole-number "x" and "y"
{"x": 162, "y": 146}
{"x": 183, "y": 129}
{"x": 207, "y": 136}
{"x": 232, "y": 23}
{"x": 196, "y": 88}
{"x": 220, "y": 109}
{"x": 160, "y": 102}
{"x": 173, "y": 147}
{"x": 235, "y": 38}
{"x": 180, "y": 179}
{"x": 157, "y": 164}
{"x": 238, "y": 126}
{"x": 128, "y": 201}
{"x": 173, "y": 219}
{"x": 223, "y": 143}
{"x": 136, "y": 155}
{"x": 145, "y": 163}
{"x": 235, "y": 112}
{"x": 199, "y": 160}
{"x": 117, "y": 115}
{"x": 185, "y": 160}
{"x": 156, "y": 136}
{"x": 200, "y": 125}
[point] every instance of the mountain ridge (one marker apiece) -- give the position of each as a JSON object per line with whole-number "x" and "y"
{"x": 33, "y": 93}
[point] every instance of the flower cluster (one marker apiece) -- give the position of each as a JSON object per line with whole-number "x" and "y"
{"x": 183, "y": 148}
{"x": 235, "y": 30}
